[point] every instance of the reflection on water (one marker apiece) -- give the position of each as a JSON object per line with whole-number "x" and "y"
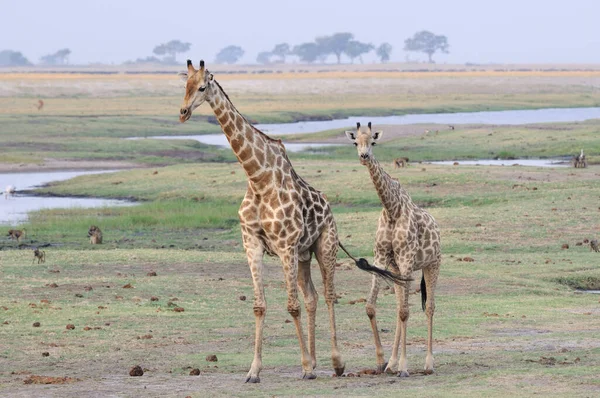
{"x": 14, "y": 209}
{"x": 514, "y": 162}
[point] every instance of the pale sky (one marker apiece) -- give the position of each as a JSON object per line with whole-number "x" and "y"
{"x": 480, "y": 31}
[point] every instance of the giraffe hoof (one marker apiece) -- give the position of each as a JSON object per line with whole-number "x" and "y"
{"x": 428, "y": 371}
{"x": 309, "y": 376}
{"x": 381, "y": 368}
{"x": 339, "y": 371}
{"x": 403, "y": 373}
{"x": 252, "y": 379}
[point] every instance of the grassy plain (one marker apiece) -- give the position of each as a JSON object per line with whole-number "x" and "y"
{"x": 508, "y": 322}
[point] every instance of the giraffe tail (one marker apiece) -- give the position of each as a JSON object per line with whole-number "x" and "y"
{"x": 364, "y": 265}
{"x": 384, "y": 273}
{"x": 423, "y": 292}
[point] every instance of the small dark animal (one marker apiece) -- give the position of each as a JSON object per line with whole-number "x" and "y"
{"x": 400, "y": 162}
{"x": 95, "y": 235}
{"x": 451, "y": 127}
{"x": 16, "y": 234}
{"x": 40, "y": 255}
{"x": 594, "y": 246}
{"x": 579, "y": 161}
{"x": 40, "y": 105}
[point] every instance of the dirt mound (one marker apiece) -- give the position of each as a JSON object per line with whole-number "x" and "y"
{"x": 49, "y": 380}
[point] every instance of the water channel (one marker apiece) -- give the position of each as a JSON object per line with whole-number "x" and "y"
{"x": 14, "y": 209}
{"x": 550, "y": 115}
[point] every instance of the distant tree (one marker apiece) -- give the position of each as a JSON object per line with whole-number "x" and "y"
{"x": 335, "y": 44}
{"x": 61, "y": 57}
{"x": 147, "y": 60}
{"x": 383, "y": 52}
{"x": 171, "y": 49}
{"x": 281, "y": 50}
{"x": 229, "y": 55}
{"x": 13, "y": 58}
{"x": 355, "y": 49}
{"x": 264, "y": 57}
{"x": 427, "y": 42}
{"x": 307, "y": 52}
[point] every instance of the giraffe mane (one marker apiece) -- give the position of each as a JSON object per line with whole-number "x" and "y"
{"x": 242, "y": 115}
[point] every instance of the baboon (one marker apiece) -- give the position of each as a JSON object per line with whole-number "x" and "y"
{"x": 95, "y": 235}
{"x": 40, "y": 255}
{"x": 400, "y": 162}
{"x": 579, "y": 161}
{"x": 16, "y": 234}
{"x": 594, "y": 246}
{"x": 40, "y": 105}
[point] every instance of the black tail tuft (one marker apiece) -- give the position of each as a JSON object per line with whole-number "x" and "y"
{"x": 423, "y": 292}
{"x": 385, "y": 274}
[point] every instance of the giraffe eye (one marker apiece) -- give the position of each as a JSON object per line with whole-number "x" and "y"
{"x": 202, "y": 88}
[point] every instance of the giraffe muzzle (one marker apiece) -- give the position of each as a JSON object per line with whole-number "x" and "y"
{"x": 184, "y": 114}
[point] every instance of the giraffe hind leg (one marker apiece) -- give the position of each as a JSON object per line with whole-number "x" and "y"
{"x": 311, "y": 299}
{"x": 326, "y": 254}
{"x": 289, "y": 258}
{"x": 430, "y": 276}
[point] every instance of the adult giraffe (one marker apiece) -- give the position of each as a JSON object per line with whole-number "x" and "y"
{"x": 281, "y": 215}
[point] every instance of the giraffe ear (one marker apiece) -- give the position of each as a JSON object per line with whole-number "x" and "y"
{"x": 351, "y": 135}
{"x": 377, "y": 135}
{"x": 183, "y": 76}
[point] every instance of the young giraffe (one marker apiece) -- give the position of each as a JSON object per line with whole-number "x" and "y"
{"x": 407, "y": 240}
{"x": 281, "y": 215}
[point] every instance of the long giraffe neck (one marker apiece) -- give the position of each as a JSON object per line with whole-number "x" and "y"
{"x": 258, "y": 154}
{"x": 387, "y": 188}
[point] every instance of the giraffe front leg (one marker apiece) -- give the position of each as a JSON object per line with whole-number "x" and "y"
{"x": 395, "y": 364}
{"x": 371, "y": 306}
{"x": 254, "y": 252}
{"x": 401, "y": 326}
{"x": 290, "y": 270}
{"x": 371, "y": 310}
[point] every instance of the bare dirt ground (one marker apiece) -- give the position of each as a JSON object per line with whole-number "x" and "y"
{"x": 167, "y": 353}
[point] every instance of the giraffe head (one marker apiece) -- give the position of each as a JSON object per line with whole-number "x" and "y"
{"x": 197, "y": 84}
{"x": 364, "y": 141}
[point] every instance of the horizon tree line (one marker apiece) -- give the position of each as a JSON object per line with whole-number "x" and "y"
{"x": 319, "y": 50}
